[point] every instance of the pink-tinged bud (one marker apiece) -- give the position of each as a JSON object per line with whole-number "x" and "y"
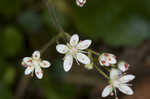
{"x": 123, "y": 66}
{"x": 80, "y": 3}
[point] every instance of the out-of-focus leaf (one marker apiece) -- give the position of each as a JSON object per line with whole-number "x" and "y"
{"x": 5, "y": 92}
{"x": 129, "y": 32}
{"x": 10, "y": 8}
{"x": 9, "y": 75}
{"x": 12, "y": 41}
{"x": 59, "y": 90}
{"x": 2, "y": 66}
{"x": 30, "y": 20}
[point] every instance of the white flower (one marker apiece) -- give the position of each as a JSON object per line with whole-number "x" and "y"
{"x": 74, "y": 49}
{"x": 35, "y": 63}
{"x": 80, "y": 3}
{"x": 117, "y": 80}
{"x": 123, "y": 66}
{"x": 107, "y": 59}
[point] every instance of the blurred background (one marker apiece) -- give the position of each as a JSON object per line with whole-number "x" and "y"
{"x": 121, "y": 27}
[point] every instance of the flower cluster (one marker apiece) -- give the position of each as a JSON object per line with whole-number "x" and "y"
{"x": 35, "y": 63}
{"x": 76, "y": 49}
{"x": 118, "y": 79}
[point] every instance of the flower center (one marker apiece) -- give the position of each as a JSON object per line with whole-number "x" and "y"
{"x": 73, "y": 51}
{"x": 115, "y": 83}
{"x": 35, "y": 63}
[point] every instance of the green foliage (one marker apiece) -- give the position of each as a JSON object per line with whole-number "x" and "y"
{"x": 59, "y": 90}
{"x": 30, "y": 20}
{"x": 5, "y": 92}
{"x": 12, "y": 41}
{"x": 2, "y": 66}
{"x": 9, "y": 75}
{"x": 10, "y": 8}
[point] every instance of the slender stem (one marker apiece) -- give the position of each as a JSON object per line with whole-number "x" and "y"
{"x": 52, "y": 41}
{"x": 94, "y": 52}
{"x": 101, "y": 72}
{"x": 52, "y": 14}
{"x": 23, "y": 84}
{"x": 106, "y": 68}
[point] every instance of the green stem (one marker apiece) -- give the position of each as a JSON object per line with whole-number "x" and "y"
{"x": 106, "y": 68}
{"x": 52, "y": 41}
{"x": 52, "y": 14}
{"x": 101, "y": 72}
{"x": 96, "y": 53}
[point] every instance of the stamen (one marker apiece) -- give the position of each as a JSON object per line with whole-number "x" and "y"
{"x": 106, "y": 54}
{"x": 126, "y": 66}
{"x": 112, "y": 94}
{"x": 116, "y": 98}
{"x": 115, "y": 57}
{"x": 30, "y": 61}
{"x": 103, "y": 62}
{"x": 25, "y": 65}
{"x": 32, "y": 74}
{"x": 109, "y": 59}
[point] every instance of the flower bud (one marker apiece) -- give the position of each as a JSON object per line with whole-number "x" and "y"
{"x": 123, "y": 66}
{"x": 80, "y": 3}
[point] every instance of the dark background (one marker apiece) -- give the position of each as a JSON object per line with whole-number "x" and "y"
{"x": 121, "y": 27}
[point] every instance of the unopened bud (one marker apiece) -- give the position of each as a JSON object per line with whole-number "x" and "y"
{"x": 80, "y": 3}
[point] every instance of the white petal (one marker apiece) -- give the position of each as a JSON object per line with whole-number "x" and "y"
{"x": 126, "y": 78}
{"x": 107, "y": 90}
{"x": 27, "y": 61}
{"x": 68, "y": 60}
{"x": 114, "y": 73}
{"x": 38, "y": 72}
{"x": 83, "y": 58}
{"x": 29, "y": 70}
{"x": 23, "y": 64}
{"x": 103, "y": 60}
{"x": 62, "y": 48}
{"x": 123, "y": 66}
{"x": 112, "y": 60}
{"x": 126, "y": 90}
{"x": 45, "y": 64}
{"x": 36, "y": 55}
{"x": 74, "y": 40}
{"x": 84, "y": 44}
